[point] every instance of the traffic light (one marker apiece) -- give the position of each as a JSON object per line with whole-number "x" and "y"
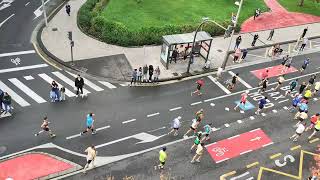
{"x": 228, "y": 32}
{"x": 70, "y": 35}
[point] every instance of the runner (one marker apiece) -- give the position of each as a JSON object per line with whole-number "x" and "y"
{"x": 199, "y": 153}
{"x": 199, "y": 83}
{"x": 262, "y": 103}
{"x": 45, "y": 128}
{"x": 193, "y": 127}
{"x": 287, "y": 65}
{"x": 311, "y": 81}
{"x": 196, "y": 142}
{"x": 302, "y": 116}
{"x": 242, "y": 100}
{"x": 307, "y": 94}
{"x": 303, "y": 106}
{"x": 89, "y": 123}
{"x": 284, "y": 60}
{"x": 207, "y": 131}
{"x": 91, "y": 156}
{"x": 300, "y": 129}
{"x": 199, "y": 115}
{"x": 175, "y": 126}
{"x": 162, "y": 158}
{"x": 295, "y": 101}
{"x": 316, "y": 87}
{"x": 313, "y": 121}
{"x": 293, "y": 84}
{"x": 306, "y": 62}
{"x": 316, "y": 129}
{"x": 302, "y": 87}
{"x": 263, "y": 84}
{"x": 234, "y": 80}
{"x": 280, "y": 81}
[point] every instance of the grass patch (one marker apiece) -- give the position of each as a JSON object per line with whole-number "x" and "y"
{"x": 309, "y": 7}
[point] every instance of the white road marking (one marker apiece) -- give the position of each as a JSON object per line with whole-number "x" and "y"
{"x": 250, "y": 178}
{"x": 109, "y": 85}
{"x": 156, "y": 129}
{"x": 27, "y": 90}
{"x": 78, "y": 135}
{"x": 154, "y": 114}
{"x": 195, "y": 103}
{"x": 227, "y": 125}
{"x": 5, "y": 22}
{"x": 27, "y": 4}
{"x": 241, "y": 80}
{"x": 251, "y": 117}
{"x": 219, "y": 84}
{"x": 226, "y": 108}
{"x": 88, "y": 83}
{"x": 283, "y": 101}
{"x": 67, "y": 80}
{"x": 176, "y": 108}
{"x": 28, "y": 78}
{"x": 131, "y": 120}
{"x": 222, "y": 160}
{"x": 315, "y": 99}
{"x": 38, "y": 12}
{"x": 241, "y": 111}
{"x": 255, "y": 130}
{"x": 207, "y": 100}
{"x": 212, "y": 104}
{"x": 274, "y": 111}
{"x": 215, "y": 129}
{"x": 49, "y": 80}
{"x": 123, "y": 85}
{"x": 263, "y": 114}
{"x": 245, "y": 152}
{"x": 256, "y": 56}
{"x": 102, "y": 128}
{"x": 233, "y": 136}
{"x": 285, "y": 107}
{"x": 239, "y": 121}
{"x": 17, "y": 53}
{"x": 267, "y": 144}
{"x": 3, "y": 114}
{"x": 23, "y": 68}
{"x": 240, "y": 176}
{"x": 14, "y": 95}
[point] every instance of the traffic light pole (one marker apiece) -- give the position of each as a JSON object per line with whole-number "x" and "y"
{"x": 44, "y": 13}
{"x": 71, "y": 46}
{"x": 234, "y": 25}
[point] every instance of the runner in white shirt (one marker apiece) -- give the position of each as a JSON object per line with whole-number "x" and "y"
{"x": 91, "y": 155}
{"x": 299, "y": 131}
{"x": 316, "y": 87}
{"x": 175, "y": 126}
{"x": 280, "y": 81}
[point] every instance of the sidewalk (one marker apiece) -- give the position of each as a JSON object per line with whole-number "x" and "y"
{"x": 85, "y": 48}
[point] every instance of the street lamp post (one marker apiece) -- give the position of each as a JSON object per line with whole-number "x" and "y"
{"x": 44, "y": 13}
{"x": 234, "y": 26}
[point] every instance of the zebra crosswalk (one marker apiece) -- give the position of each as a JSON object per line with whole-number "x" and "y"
{"x": 30, "y": 89}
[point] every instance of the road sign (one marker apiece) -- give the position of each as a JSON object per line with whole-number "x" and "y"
{"x": 237, "y": 145}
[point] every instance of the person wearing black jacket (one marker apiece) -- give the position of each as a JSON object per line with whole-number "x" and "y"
{"x": 150, "y": 72}
{"x": 79, "y": 83}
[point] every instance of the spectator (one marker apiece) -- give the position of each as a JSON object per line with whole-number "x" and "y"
{"x": 68, "y": 9}
{"x": 257, "y": 13}
{"x": 1, "y": 97}
{"x": 134, "y": 77}
{"x": 271, "y": 35}
{"x": 145, "y": 73}
{"x": 55, "y": 91}
{"x": 156, "y": 74}
{"x": 186, "y": 53}
{"x": 150, "y": 72}
{"x": 255, "y": 38}
{"x": 237, "y": 54}
{"x": 304, "y": 32}
{"x": 7, "y": 103}
{"x": 174, "y": 55}
{"x": 238, "y": 41}
{"x": 79, "y": 83}
{"x": 139, "y": 75}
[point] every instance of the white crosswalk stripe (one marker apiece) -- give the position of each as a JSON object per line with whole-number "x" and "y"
{"x": 88, "y": 83}
{"x": 49, "y": 80}
{"x": 219, "y": 85}
{"x": 27, "y": 90}
{"x": 13, "y": 95}
{"x": 109, "y": 85}
{"x": 67, "y": 80}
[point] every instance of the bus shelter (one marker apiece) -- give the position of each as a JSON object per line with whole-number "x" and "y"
{"x": 183, "y": 44}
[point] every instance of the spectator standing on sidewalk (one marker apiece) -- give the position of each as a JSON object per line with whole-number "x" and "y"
{"x": 304, "y": 32}
{"x": 7, "y": 103}
{"x": 199, "y": 153}
{"x": 1, "y": 97}
{"x": 238, "y": 41}
{"x": 174, "y": 56}
{"x": 139, "y": 75}
{"x": 79, "y": 83}
{"x": 68, "y": 9}
{"x": 145, "y": 73}
{"x": 304, "y": 43}
{"x": 271, "y": 35}
{"x": 91, "y": 156}
{"x": 134, "y": 77}
{"x": 150, "y": 72}
{"x": 255, "y": 38}
{"x": 156, "y": 74}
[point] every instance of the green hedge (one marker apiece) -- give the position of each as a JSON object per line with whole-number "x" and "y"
{"x": 117, "y": 33}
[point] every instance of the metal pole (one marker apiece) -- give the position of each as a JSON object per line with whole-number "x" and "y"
{"x": 71, "y": 52}
{"x": 193, "y": 42}
{"x": 234, "y": 25}
{"x": 44, "y": 13}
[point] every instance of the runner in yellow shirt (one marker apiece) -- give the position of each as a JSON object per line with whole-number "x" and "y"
{"x": 307, "y": 94}
{"x": 316, "y": 129}
{"x": 162, "y": 157}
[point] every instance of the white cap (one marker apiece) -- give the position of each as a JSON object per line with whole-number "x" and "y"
{"x": 179, "y": 117}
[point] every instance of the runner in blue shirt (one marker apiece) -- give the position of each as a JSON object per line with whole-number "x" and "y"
{"x": 89, "y": 124}
{"x": 262, "y": 103}
{"x": 295, "y": 101}
{"x": 303, "y": 107}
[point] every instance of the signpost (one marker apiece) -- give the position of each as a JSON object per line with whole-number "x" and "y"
{"x": 71, "y": 46}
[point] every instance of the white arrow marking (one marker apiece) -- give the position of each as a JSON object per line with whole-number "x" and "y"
{"x": 256, "y": 139}
{"x": 5, "y": 4}
{"x": 38, "y": 12}
{"x": 6, "y": 20}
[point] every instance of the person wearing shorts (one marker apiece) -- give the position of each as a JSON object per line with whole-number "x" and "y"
{"x": 207, "y": 131}
{"x": 311, "y": 81}
{"x": 287, "y": 65}
{"x": 307, "y": 94}
{"x": 264, "y": 85}
{"x": 300, "y": 129}
{"x": 45, "y": 128}
{"x": 302, "y": 116}
{"x": 162, "y": 157}
{"x": 316, "y": 87}
{"x": 304, "y": 65}
{"x": 262, "y": 103}
{"x": 243, "y": 100}
{"x": 313, "y": 120}
{"x": 292, "y": 85}
{"x": 175, "y": 126}
{"x": 316, "y": 129}
{"x": 91, "y": 156}
{"x": 193, "y": 127}
{"x": 295, "y": 101}
{"x": 199, "y": 153}
{"x": 303, "y": 106}
{"x": 199, "y": 83}
{"x": 199, "y": 115}
{"x": 233, "y": 81}
{"x": 89, "y": 124}
{"x": 196, "y": 142}
{"x": 280, "y": 81}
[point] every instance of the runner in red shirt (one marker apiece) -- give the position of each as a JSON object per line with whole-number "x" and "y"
{"x": 199, "y": 83}
{"x": 242, "y": 100}
{"x": 313, "y": 121}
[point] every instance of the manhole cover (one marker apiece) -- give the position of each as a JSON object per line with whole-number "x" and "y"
{"x": 219, "y": 50}
{"x": 2, "y": 149}
{"x": 54, "y": 29}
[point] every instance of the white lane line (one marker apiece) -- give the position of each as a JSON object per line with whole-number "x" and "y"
{"x": 239, "y": 121}
{"x": 49, "y": 80}
{"x": 23, "y": 68}
{"x": 219, "y": 84}
{"x": 222, "y": 160}
{"x": 17, "y": 53}
{"x": 227, "y": 125}
{"x": 285, "y": 107}
{"x": 88, "y": 83}
{"x": 315, "y": 99}
{"x": 242, "y": 112}
{"x": 176, "y": 108}
{"x": 250, "y": 178}
{"x": 215, "y": 129}
{"x": 274, "y": 111}
{"x": 109, "y": 85}
{"x": 233, "y": 136}
{"x": 212, "y": 104}
{"x": 263, "y": 114}
{"x": 245, "y": 152}
{"x": 283, "y": 101}
{"x": 28, "y": 78}
{"x": 27, "y": 4}
{"x": 251, "y": 117}
{"x": 27, "y": 90}
{"x": 227, "y": 109}
{"x": 14, "y": 95}
{"x": 240, "y": 176}
{"x": 6, "y": 21}
{"x": 241, "y": 80}
{"x": 78, "y": 135}
{"x": 38, "y": 12}
{"x": 195, "y": 103}
{"x": 156, "y": 129}
{"x": 131, "y": 120}
{"x": 67, "y": 80}
{"x": 154, "y": 114}
{"x": 207, "y": 100}
{"x": 102, "y": 128}
{"x": 255, "y": 130}
{"x": 267, "y": 144}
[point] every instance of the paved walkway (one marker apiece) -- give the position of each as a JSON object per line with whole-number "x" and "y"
{"x": 271, "y": 20}
{"x": 86, "y": 47}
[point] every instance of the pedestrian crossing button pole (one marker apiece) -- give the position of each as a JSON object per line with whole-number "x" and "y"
{"x": 71, "y": 46}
